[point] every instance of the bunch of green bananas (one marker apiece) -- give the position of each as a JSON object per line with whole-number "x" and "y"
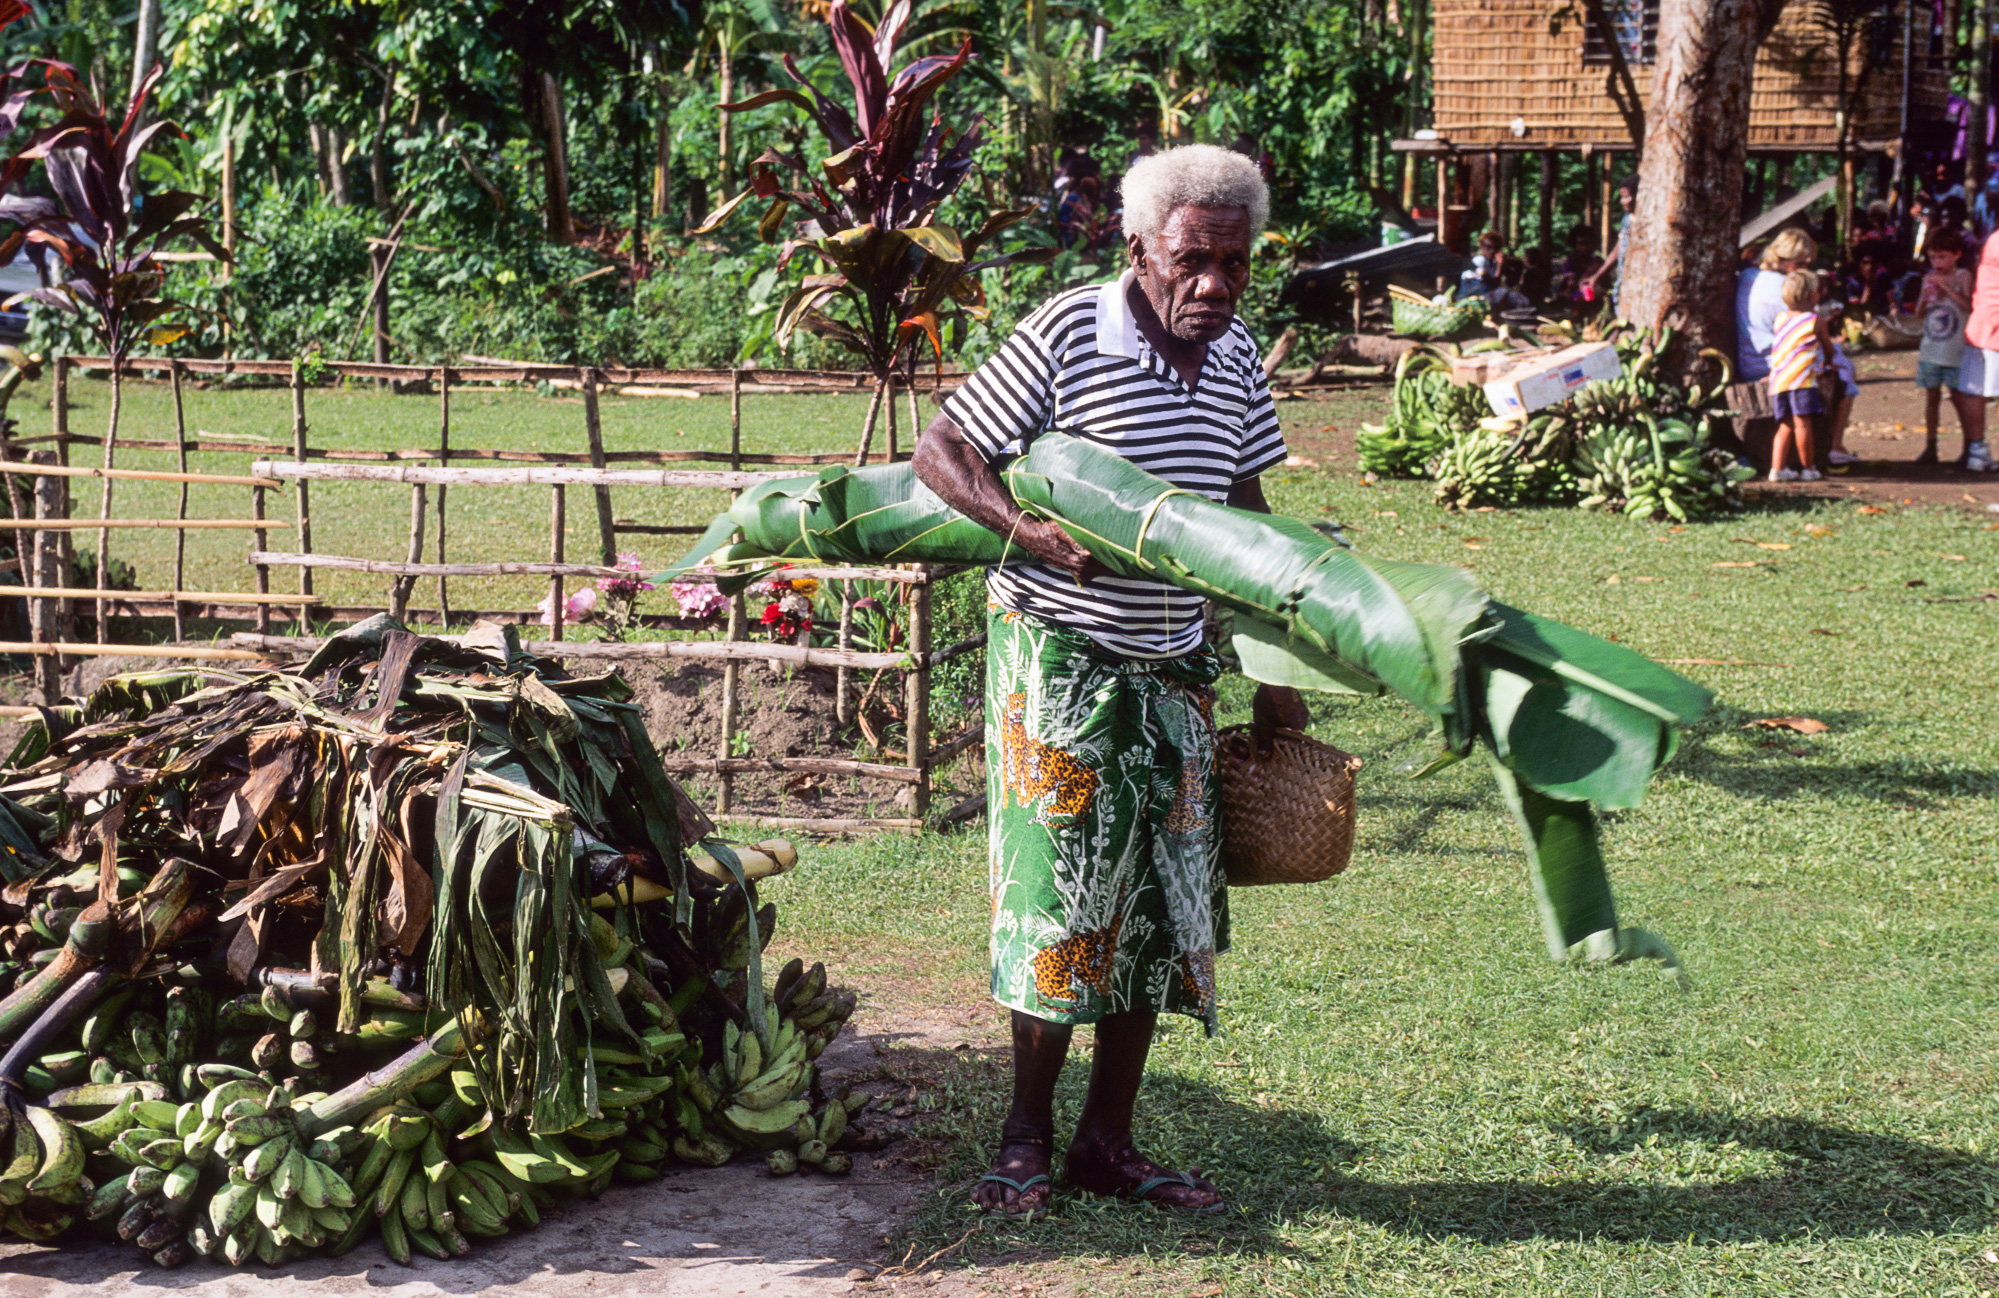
{"x": 1429, "y": 413}
{"x": 231, "y": 1175}
{"x": 817, "y": 1134}
{"x": 42, "y": 1178}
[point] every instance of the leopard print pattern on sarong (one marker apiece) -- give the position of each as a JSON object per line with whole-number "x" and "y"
{"x": 1081, "y": 959}
{"x": 1031, "y": 770}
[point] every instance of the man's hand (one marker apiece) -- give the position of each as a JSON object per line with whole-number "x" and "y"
{"x": 1275, "y": 706}
{"x": 1047, "y": 542}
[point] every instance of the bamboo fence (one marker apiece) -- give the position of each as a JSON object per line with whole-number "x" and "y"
{"x": 43, "y": 532}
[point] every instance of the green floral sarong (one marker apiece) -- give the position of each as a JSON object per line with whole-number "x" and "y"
{"x": 1107, "y": 886}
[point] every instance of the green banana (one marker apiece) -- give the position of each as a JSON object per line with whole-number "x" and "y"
{"x": 62, "y": 1151}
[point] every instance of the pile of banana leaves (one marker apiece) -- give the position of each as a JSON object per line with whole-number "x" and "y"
{"x": 1568, "y": 722}
{"x": 404, "y": 942}
{"x": 1642, "y": 444}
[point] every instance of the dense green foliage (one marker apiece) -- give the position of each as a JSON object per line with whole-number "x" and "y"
{"x": 344, "y": 118}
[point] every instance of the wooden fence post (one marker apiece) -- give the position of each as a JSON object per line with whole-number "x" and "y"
{"x": 593, "y": 426}
{"x": 444, "y": 461}
{"x": 42, "y": 614}
{"x": 888, "y": 401}
{"x": 400, "y": 588}
{"x": 915, "y": 418}
{"x": 263, "y": 570}
{"x": 843, "y": 676}
{"x": 916, "y": 694}
{"x": 731, "y": 678}
{"x": 736, "y": 417}
{"x": 180, "y": 535}
{"x": 104, "y": 502}
{"x": 299, "y": 453}
{"x": 557, "y": 522}
{"x": 59, "y": 406}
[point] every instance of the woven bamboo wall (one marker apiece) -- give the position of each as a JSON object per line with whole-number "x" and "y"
{"x": 1496, "y": 60}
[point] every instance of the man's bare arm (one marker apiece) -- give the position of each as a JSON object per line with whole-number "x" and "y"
{"x": 950, "y": 466}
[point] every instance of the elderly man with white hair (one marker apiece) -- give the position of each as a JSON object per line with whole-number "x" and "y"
{"x": 1109, "y": 905}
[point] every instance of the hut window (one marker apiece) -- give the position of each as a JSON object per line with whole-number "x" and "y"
{"x": 1636, "y": 23}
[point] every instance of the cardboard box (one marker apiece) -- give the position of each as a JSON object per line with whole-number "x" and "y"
{"x": 1483, "y": 367}
{"x": 1529, "y": 387}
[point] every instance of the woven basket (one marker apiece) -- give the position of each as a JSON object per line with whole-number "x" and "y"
{"x": 1288, "y": 817}
{"x": 1428, "y": 320}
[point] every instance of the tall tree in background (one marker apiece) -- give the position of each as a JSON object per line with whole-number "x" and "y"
{"x": 1681, "y": 268}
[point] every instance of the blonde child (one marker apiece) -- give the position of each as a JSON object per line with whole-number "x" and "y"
{"x": 1796, "y": 356}
{"x": 1944, "y": 305}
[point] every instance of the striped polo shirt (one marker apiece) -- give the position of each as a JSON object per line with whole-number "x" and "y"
{"x": 1080, "y": 366}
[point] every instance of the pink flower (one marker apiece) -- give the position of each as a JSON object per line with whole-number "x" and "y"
{"x": 577, "y": 608}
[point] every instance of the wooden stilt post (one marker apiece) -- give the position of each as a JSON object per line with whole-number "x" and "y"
{"x": 557, "y": 523}
{"x": 444, "y": 461}
{"x": 180, "y": 511}
{"x": 916, "y": 696}
{"x": 731, "y": 679}
{"x": 593, "y": 427}
{"x": 1547, "y": 213}
{"x": 299, "y": 453}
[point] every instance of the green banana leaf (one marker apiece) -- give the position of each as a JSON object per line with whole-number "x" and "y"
{"x": 1571, "y": 721}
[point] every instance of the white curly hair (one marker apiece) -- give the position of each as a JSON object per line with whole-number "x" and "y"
{"x": 1197, "y": 175}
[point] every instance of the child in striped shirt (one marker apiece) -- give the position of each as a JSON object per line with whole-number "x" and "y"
{"x": 1796, "y": 356}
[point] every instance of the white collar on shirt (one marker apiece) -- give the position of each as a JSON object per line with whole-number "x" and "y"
{"x": 1117, "y": 328}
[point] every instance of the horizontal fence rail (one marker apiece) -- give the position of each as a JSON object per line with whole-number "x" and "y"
{"x": 37, "y": 476}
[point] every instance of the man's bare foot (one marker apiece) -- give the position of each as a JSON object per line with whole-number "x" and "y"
{"x": 1018, "y": 1183}
{"x": 1127, "y": 1174}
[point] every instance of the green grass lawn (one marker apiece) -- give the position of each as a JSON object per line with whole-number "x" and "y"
{"x": 1408, "y": 1097}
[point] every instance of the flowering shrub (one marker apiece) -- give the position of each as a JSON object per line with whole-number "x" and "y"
{"x": 698, "y": 598}
{"x": 788, "y": 614}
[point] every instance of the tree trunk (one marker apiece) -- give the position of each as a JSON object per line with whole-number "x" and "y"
{"x": 1682, "y": 264}
{"x": 1975, "y": 143}
{"x": 337, "y": 187}
{"x": 662, "y": 159}
{"x": 725, "y": 92}
{"x": 556, "y": 138}
{"x": 145, "y": 42}
{"x": 378, "y": 158}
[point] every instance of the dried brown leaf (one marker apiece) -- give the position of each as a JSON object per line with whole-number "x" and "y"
{"x": 1802, "y": 725}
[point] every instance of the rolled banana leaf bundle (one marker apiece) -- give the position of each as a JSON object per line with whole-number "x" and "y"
{"x": 1569, "y": 722}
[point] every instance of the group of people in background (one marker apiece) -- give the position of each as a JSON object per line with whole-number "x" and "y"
{"x": 1938, "y": 272}
{"x": 1525, "y": 286}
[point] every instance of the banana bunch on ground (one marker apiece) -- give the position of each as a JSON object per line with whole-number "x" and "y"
{"x": 1430, "y": 412}
{"x": 1639, "y": 444}
{"x": 42, "y": 1177}
{"x": 759, "y": 1096}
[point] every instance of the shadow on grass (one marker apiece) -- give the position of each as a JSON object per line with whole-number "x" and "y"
{"x": 1835, "y": 1181}
{"x": 1778, "y": 766}
{"x": 1277, "y": 1165}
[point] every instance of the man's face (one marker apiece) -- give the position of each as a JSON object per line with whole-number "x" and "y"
{"x": 1194, "y": 271}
